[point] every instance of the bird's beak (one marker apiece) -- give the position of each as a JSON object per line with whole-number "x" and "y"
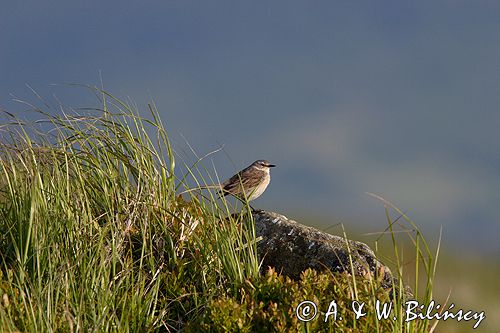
{"x": 271, "y": 165}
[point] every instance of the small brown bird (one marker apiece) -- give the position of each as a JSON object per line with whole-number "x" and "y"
{"x": 250, "y": 182}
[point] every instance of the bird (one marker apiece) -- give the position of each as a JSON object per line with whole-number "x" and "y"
{"x": 246, "y": 185}
{"x": 249, "y": 183}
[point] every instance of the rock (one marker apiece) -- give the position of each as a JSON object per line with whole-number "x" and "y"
{"x": 291, "y": 247}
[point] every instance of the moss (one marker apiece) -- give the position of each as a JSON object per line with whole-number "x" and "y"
{"x": 269, "y": 304}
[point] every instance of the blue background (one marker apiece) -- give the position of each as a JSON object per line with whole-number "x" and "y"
{"x": 396, "y": 98}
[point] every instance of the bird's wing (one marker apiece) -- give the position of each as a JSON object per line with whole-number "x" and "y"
{"x": 246, "y": 178}
{"x": 232, "y": 183}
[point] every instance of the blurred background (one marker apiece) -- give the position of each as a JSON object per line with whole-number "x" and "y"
{"x": 396, "y": 98}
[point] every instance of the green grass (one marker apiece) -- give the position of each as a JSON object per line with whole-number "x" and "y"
{"x": 93, "y": 238}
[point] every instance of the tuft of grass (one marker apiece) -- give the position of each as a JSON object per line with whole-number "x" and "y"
{"x": 92, "y": 234}
{"x": 93, "y": 237}
{"x": 422, "y": 264}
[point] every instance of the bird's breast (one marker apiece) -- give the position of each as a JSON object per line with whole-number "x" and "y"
{"x": 257, "y": 191}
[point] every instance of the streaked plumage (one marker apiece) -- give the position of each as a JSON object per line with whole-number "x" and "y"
{"x": 250, "y": 182}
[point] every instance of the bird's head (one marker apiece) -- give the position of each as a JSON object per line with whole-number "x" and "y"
{"x": 263, "y": 165}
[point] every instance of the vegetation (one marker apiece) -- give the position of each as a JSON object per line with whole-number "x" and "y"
{"x": 94, "y": 237}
